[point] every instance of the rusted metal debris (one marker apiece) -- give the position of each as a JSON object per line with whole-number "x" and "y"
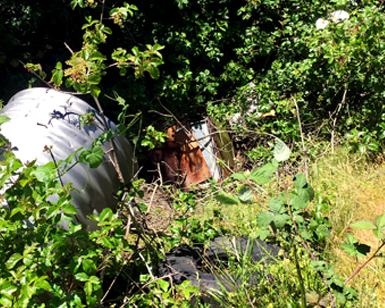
{"x": 193, "y": 153}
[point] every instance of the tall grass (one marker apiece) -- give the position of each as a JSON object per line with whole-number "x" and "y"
{"x": 355, "y": 187}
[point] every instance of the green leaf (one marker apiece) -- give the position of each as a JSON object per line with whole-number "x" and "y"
{"x": 299, "y": 181}
{"x": 94, "y": 79}
{"x": 239, "y": 176}
{"x": 323, "y": 231}
{"x": 280, "y": 220}
{"x": 276, "y": 206}
{"x": 45, "y": 173}
{"x": 107, "y": 242}
{"x": 69, "y": 209}
{"x": 8, "y": 288}
{"x": 245, "y": 194}
{"x": 57, "y": 77}
{"x": 92, "y": 158}
{"x": 89, "y": 266}
{"x": 380, "y": 222}
{"x": 281, "y": 151}
{"x": 96, "y": 56}
{"x": 259, "y": 176}
{"x": 225, "y": 200}
{"x": 43, "y": 284}
{"x": 81, "y": 276}
{"x": 307, "y": 193}
{"x": 364, "y": 224}
{"x": 379, "y": 234}
{"x": 88, "y": 288}
{"x": 16, "y": 257}
{"x": 123, "y": 71}
{"x": 350, "y": 249}
{"x": 4, "y": 119}
{"x": 106, "y": 214}
{"x": 95, "y": 91}
{"x": 351, "y": 239}
{"x": 154, "y": 72}
{"x": 299, "y": 203}
{"x": 264, "y": 218}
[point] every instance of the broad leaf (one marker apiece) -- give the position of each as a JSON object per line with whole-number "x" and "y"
{"x": 264, "y": 218}
{"x": 300, "y": 181}
{"x": 280, "y": 220}
{"x": 225, "y": 200}
{"x": 380, "y": 222}
{"x": 4, "y": 119}
{"x": 364, "y": 224}
{"x": 239, "y": 176}
{"x": 245, "y": 194}
{"x": 281, "y": 151}
{"x": 16, "y": 257}
{"x": 89, "y": 266}
{"x": 299, "y": 203}
{"x": 276, "y": 206}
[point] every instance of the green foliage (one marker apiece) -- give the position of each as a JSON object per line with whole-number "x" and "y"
{"x": 39, "y": 255}
{"x": 185, "y": 227}
{"x": 291, "y": 219}
{"x": 153, "y": 138}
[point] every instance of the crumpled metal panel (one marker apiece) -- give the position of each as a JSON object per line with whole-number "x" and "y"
{"x": 44, "y": 117}
{"x": 180, "y": 159}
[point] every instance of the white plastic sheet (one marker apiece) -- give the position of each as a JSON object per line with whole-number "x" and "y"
{"x": 44, "y": 117}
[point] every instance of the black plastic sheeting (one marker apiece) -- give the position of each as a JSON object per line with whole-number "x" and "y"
{"x": 187, "y": 262}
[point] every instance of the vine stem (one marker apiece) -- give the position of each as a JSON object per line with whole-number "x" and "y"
{"x": 308, "y": 250}
{"x": 363, "y": 265}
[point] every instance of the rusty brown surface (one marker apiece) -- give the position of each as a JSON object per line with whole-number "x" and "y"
{"x": 180, "y": 159}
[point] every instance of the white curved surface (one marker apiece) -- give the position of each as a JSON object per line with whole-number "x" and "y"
{"x": 44, "y": 117}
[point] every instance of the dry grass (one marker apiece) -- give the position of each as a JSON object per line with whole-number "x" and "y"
{"x": 356, "y": 190}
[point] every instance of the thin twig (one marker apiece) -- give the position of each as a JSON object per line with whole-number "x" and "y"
{"x": 37, "y": 75}
{"x": 336, "y": 115}
{"x": 363, "y": 265}
{"x": 302, "y": 140}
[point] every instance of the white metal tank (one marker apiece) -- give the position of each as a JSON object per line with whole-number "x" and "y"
{"x": 45, "y": 117}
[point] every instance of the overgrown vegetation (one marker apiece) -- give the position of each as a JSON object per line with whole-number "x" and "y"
{"x": 300, "y": 86}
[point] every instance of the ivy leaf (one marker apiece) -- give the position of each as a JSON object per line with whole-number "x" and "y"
{"x": 281, "y": 151}
{"x": 92, "y": 157}
{"x": 245, "y": 194}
